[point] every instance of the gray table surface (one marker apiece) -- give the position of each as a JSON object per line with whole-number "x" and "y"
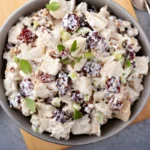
{"x": 134, "y": 137}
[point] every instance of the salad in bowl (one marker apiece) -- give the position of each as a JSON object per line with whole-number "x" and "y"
{"x": 72, "y": 67}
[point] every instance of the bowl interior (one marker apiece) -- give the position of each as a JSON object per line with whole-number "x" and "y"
{"x": 113, "y": 126}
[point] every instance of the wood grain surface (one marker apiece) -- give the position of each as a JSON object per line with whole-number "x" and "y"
{"x": 6, "y": 8}
{"x": 128, "y": 6}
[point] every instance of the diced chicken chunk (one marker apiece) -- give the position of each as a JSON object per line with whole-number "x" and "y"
{"x": 14, "y": 32}
{"x": 113, "y": 68}
{"x": 83, "y": 84}
{"x": 141, "y": 64}
{"x": 95, "y": 126}
{"x": 81, "y": 126}
{"x": 57, "y": 129}
{"x": 52, "y": 86}
{"x": 125, "y": 111}
{"x": 27, "y": 21}
{"x": 97, "y": 21}
{"x": 48, "y": 38}
{"x": 41, "y": 90}
{"x": 136, "y": 83}
{"x": 45, "y": 110}
{"x": 11, "y": 86}
{"x": 81, "y": 8}
{"x": 12, "y": 71}
{"x": 60, "y": 130}
{"x": 34, "y": 54}
{"x": 104, "y": 11}
{"x": 104, "y": 108}
{"x": 25, "y": 110}
{"x": 40, "y": 124}
{"x": 106, "y": 33}
{"x": 132, "y": 94}
{"x": 98, "y": 96}
{"x": 50, "y": 65}
{"x": 66, "y": 100}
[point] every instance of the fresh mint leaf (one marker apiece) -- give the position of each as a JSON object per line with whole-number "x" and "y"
{"x": 66, "y": 61}
{"x": 74, "y": 46}
{"x": 78, "y": 59}
{"x": 77, "y": 114}
{"x": 128, "y": 63}
{"x": 25, "y": 66}
{"x": 60, "y": 48}
{"x": 30, "y": 104}
{"x": 88, "y": 55}
{"x": 53, "y": 6}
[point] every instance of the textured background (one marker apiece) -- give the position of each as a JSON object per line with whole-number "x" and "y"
{"x": 134, "y": 137}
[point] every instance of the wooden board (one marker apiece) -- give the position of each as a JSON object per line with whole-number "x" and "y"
{"x": 6, "y": 8}
{"x": 128, "y": 6}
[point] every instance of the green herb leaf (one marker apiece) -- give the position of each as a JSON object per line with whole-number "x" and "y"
{"x": 66, "y": 61}
{"x": 128, "y": 63}
{"x": 60, "y": 48}
{"x": 17, "y": 60}
{"x": 88, "y": 55}
{"x": 78, "y": 59}
{"x": 74, "y": 46}
{"x": 25, "y": 66}
{"x": 53, "y": 6}
{"x": 77, "y": 114}
{"x": 30, "y": 104}
{"x": 72, "y": 63}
